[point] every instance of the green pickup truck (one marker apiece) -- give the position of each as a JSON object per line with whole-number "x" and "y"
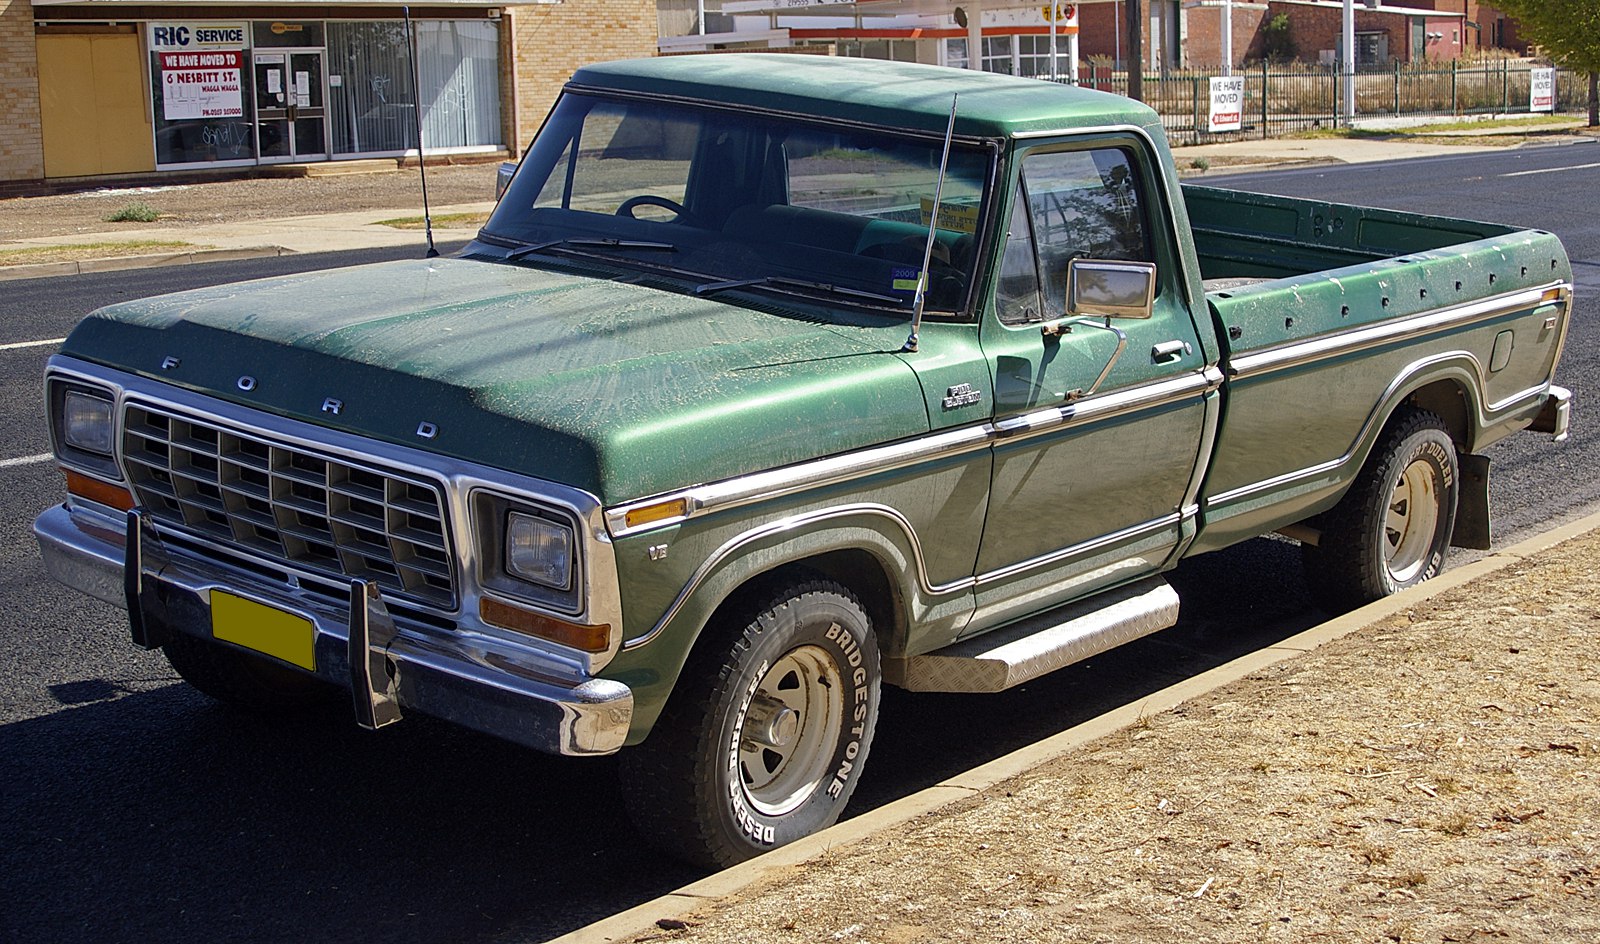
{"x": 772, "y": 380}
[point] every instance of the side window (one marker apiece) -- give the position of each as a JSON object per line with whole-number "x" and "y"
{"x": 1084, "y": 204}
{"x": 1016, "y": 295}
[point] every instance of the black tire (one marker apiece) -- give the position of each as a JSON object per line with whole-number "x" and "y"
{"x": 764, "y": 737}
{"x": 242, "y": 680}
{"x": 1392, "y": 530}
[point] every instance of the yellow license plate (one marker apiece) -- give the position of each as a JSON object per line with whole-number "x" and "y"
{"x": 263, "y": 628}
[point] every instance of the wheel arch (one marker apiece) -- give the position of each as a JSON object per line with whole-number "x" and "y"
{"x": 873, "y": 553}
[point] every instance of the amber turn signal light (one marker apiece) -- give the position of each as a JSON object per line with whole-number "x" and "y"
{"x": 518, "y": 620}
{"x": 97, "y": 491}
{"x": 661, "y": 511}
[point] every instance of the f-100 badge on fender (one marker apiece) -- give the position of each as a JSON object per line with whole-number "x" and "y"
{"x": 961, "y": 395}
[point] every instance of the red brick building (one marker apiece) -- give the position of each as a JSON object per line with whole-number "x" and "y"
{"x": 1387, "y": 34}
{"x": 1487, "y": 27}
{"x": 1188, "y": 33}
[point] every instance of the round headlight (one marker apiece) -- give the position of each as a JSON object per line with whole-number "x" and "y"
{"x": 539, "y": 550}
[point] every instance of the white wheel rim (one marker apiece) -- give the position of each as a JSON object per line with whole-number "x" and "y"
{"x": 1411, "y": 521}
{"x": 790, "y": 731}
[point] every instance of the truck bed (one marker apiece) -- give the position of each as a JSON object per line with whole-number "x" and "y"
{"x": 1298, "y": 288}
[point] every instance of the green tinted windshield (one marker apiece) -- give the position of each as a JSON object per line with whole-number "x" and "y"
{"x": 749, "y": 198}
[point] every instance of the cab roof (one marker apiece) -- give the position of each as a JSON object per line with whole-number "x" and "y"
{"x": 885, "y": 94}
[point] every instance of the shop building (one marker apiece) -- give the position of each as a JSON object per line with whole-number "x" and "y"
{"x": 105, "y": 87}
{"x": 1014, "y": 37}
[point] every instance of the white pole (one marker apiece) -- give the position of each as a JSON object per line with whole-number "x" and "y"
{"x": 975, "y": 37}
{"x": 700, "y": 14}
{"x": 1055, "y": 9}
{"x": 1348, "y": 63}
{"x": 1116, "y": 30}
{"x": 1072, "y": 57}
{"x": 1227, "y": 37}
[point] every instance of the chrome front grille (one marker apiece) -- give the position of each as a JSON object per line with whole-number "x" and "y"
{"x": 290, "y": 504}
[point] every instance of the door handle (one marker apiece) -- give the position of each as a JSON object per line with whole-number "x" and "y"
{"x": 1169, "y": 351}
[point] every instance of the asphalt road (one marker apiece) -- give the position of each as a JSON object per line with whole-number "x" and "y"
{"x": 133, "y": 809}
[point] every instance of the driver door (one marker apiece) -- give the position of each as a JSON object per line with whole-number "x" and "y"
{"x": 1090, "y": 484}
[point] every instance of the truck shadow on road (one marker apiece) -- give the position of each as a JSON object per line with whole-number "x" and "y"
{"x": 217, "y": 825}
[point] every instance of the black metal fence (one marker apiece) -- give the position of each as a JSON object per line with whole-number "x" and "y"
{"x": 1282, "y": 99}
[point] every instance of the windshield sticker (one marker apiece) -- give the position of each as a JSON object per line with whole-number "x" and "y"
{"x": 957, "y": 217}
{"x": 905, "y": 278}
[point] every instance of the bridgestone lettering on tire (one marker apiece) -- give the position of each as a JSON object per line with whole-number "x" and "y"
{"x": 1392, "y": 530}
{"x": 767, "y": 730}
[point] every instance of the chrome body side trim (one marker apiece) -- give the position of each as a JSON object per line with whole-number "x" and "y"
{"x": 1108, "y": 405}
{"x": 1130, "y": 533}
{"x": 1208, "y": 448}
{"x": 762, "y": 486}
{"x": 1400, "y": 329}
{"x": 777, "y": 483}
{"x": 1485, "y": 417}
{"x": 600, "y": 593}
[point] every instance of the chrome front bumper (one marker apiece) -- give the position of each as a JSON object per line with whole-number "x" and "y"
{"x": 478, "y": 682}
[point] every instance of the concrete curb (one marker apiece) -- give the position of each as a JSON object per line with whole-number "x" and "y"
{"x": 677, "y": 903}
{"x": 117, "y": 263}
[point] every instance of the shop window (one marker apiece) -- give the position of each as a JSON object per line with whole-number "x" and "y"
{"x": 370, "y": 96}
{"x": 201, "y": 106}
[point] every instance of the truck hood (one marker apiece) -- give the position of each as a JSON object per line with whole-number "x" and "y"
{"x": 616, "y": 388}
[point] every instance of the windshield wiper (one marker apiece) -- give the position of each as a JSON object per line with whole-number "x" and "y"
{"x": 769, "y": 281}
{"x": 574, "y": 242}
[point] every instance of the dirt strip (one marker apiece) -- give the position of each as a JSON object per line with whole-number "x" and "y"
{"x": 1433, "y": 777}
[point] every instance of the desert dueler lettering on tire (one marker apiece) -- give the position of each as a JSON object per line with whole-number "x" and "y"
{"x": 1392, "y": 529}
{"x": 763, "y": 741}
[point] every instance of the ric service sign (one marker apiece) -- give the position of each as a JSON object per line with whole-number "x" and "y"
{"x": 1227, "y": 103}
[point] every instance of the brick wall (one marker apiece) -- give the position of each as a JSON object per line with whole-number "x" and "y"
{"x": 1313, "y": 29}
{"x": 21, "y": 134}
{"x": 550, "y": 41}
{"x": 1203, "y": 49}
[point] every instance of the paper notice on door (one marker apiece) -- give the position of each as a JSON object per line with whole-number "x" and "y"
{"x": 302, "y": 89}
{"x": 274, "y": 81}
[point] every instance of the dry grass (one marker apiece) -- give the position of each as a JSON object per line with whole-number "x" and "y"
{"x": 77, "y": 252}
{"x": 440, "y": 221}
{"x": 1435, "y": 777}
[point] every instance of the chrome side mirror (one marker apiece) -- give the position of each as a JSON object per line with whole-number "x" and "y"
{"x": 1110, "y": 288}
{"x": 502, "y": 178}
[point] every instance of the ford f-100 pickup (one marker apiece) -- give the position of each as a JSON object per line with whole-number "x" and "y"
{"x": 772, "y": 380}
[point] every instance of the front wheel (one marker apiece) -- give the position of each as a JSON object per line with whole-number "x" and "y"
{"x": 1392, "y": 530}
{"x": 763, "y": 740}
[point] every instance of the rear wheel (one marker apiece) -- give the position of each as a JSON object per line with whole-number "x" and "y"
{"x": 1392, "y": 530}
{"x": 763, "y": 739}
{"x": 243, "y": 680}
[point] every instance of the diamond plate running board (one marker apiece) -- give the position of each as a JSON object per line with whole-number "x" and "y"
{"x": 1029, "y": 648}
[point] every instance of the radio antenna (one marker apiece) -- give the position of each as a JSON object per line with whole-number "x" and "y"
{"x": 910, "y": 346}
{"x": 416, "y": 116}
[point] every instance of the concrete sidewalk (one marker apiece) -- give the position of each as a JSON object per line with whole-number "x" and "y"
{"x": 327, "y": 232}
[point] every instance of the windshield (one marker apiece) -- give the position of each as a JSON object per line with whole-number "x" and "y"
{"x": 749, "y": 202}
